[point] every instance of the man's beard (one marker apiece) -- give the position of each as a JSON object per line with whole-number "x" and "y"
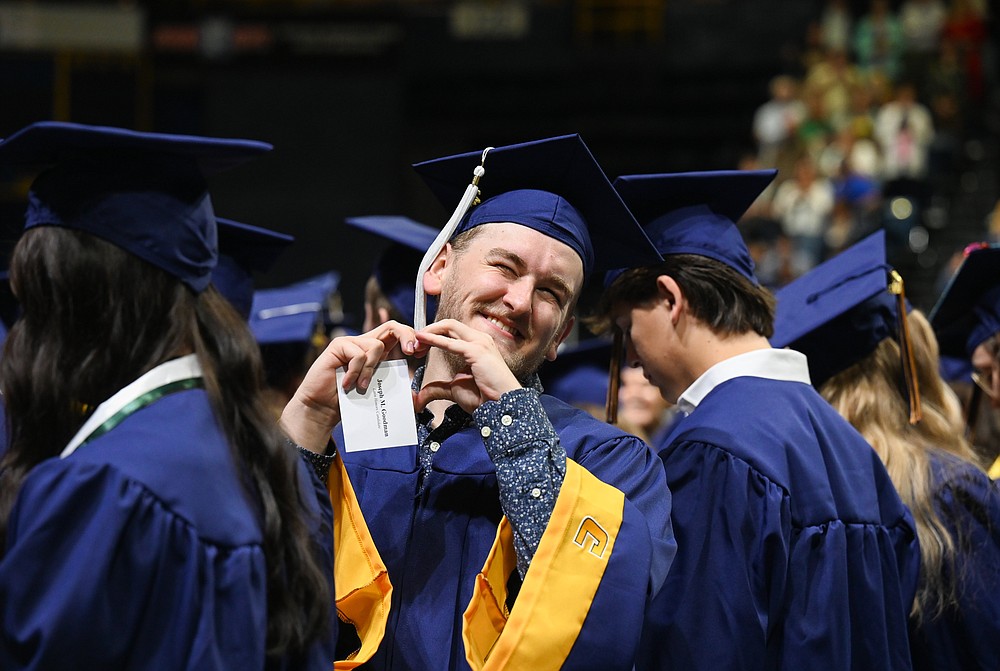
{"x": 522, "y": 365}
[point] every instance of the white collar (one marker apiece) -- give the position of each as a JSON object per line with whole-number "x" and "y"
{"x": 771, "y": 364}
{"x": 183, "y": 368}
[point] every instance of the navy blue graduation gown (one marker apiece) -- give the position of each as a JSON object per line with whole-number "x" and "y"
{"x": 794, "y": 550}
{"x": 142, "y": 550}
{"x": 966, "y": 636}
{"x": 434, "y": 544}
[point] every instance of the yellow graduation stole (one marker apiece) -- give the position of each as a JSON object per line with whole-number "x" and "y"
{"x": 559, "y": 587}
{"x": 363, "y": 590}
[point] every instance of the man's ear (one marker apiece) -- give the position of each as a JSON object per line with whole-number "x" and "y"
{"x": 671, "y": 293}
{"x": 551, "y": 354}
{"x": 434, "y": 277}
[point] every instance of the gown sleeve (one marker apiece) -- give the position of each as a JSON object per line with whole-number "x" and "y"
{"x": 98, "y": 573}
{"x": 779, "y": 592}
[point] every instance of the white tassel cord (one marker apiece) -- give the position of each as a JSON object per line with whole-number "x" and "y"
{"x": 471, "y": 192}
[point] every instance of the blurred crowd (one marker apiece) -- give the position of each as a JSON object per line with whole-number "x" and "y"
{"x": 870, "y": 126}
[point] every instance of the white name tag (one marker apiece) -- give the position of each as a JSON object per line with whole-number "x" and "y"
{"x": 383, "y": 415}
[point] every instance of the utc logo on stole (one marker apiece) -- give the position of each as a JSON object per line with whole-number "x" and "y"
{"x": 592, "y": 537}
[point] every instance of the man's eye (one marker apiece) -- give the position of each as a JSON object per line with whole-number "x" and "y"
{"x": 554, "y": 295}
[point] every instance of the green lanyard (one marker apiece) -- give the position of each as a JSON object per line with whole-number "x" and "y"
{"x": 141, "y": 402}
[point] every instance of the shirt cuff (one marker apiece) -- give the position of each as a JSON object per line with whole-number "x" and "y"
{"x": 514, "y": 424}
{"x": 320, "y": 463}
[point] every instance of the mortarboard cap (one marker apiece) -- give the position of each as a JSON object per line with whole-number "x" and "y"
{"x": 839, "y": 312}
{"x": 579, "y": 374}
{"x": 144, "y": 192}
{"x": 955, "y": 369}
{"x": 554, "y": 186}
{"x": 968, "y": 311}
{"x": 696, "y": 212}
{"x": 294, "y": 313}
{"x": 243, "y": 251}
{"x": 397, "y": 265}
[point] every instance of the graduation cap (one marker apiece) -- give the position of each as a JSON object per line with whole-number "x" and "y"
{"x": 955, "y": 369}
{"x": 696, "y": 212}
{"x": 688, "y": 213}
{"x": 554, "y": 186}
{"x": 579, "y": 374}
{"x": 243, "y": 251}
{"x": 968, "y": 311}
{"x": 144, "y": 192}
{"x": 397, "y": 265}
{"x": 292, "y": 314}
{"x": 839, "y": 312}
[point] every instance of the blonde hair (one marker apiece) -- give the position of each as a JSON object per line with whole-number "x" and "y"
{"x": 871, "y": 397}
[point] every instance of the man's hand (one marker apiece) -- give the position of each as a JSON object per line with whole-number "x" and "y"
{"x": 314, "y": 409}
{"x": 487, "y": 376}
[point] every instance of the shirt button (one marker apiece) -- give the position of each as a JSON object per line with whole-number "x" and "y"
{"x": 506, "y": 420}
{"x": 536, "y": 493}
{"x": 486, "y": 431}
{"x": 435, "y": 447}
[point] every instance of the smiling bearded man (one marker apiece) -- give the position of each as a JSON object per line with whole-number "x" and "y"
{"x": 518, "y": 528}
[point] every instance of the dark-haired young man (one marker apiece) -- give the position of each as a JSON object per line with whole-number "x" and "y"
{"x": 794, "y": 549}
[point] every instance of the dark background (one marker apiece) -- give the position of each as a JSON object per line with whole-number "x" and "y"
{"x": 351, "y": 93}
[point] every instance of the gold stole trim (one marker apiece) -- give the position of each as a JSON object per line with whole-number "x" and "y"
{"x": 559, "y": 587}
{"x": 363, "y": 590}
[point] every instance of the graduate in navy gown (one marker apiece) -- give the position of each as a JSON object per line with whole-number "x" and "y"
{"x": 244, "y": 251}
{"x": 966, "y": 320}
{"x": 151, "y": 514}
{"x": 794, "y": 550}
{"x": 519, "y": 532}
{"x": 389, "y": 290}
{"x": 878, "y": 366}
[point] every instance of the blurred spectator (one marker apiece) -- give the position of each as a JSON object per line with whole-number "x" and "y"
{"x": 861, "y": 111}
{"x": 878, "y": 41}
{"x": 922, "y": 22}
{"x": 804, "y": 205}
{"x": 966, "y": 27}
{"x": 834, "y": 78}
{"x": 775, "y": 121}
{"x": 849, "y": 154}
{"x": 835, "y": 25}
{"x": 904, "y": 130}
{"x": 843, "y": 228}
{"x": 775, "y": 264}
{"x": 815, "y": 130}
{"x": 948, "y": 104}
{"x": 852, "y": 165}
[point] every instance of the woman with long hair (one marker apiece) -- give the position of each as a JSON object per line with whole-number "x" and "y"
{"x": 882, "y": 375}
{"x": 151, "y": 513}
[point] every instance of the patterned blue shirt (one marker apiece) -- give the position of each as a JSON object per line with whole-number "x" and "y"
{"x": 530, "y": 461}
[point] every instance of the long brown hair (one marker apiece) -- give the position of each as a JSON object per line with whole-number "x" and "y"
{"x": 94, "y": 319}
{"x": 869, "y": 395}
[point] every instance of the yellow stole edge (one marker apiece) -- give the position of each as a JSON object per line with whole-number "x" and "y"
{"x": 559, "y": 587}
{"x": 363, "y": 589}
